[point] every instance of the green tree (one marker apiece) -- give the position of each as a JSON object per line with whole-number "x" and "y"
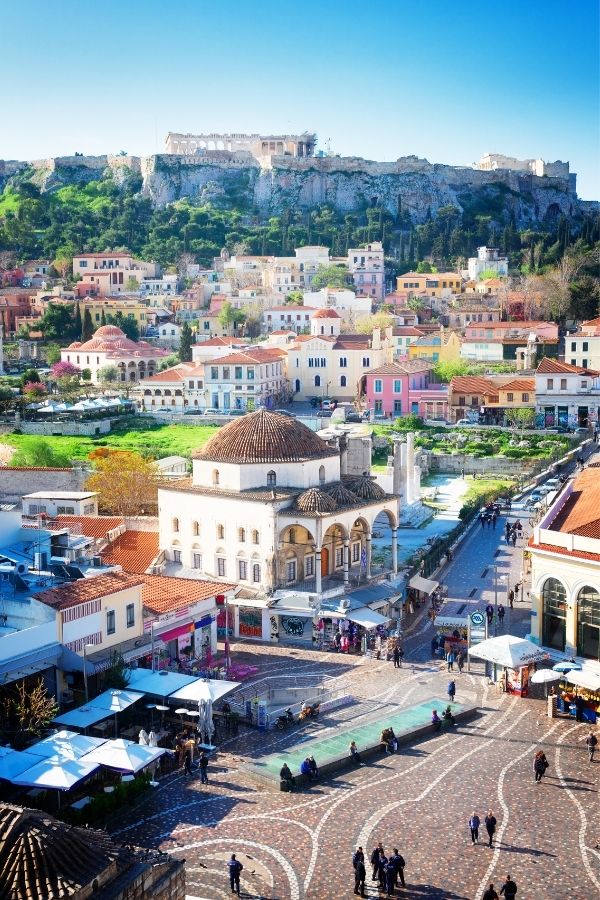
{"x": 185, "y": 343}
{"x": 294, "y": 298}
{"x": 128, "y": 324}
{"x": 52, "y": 354}
{"x": 425, "y": 267}
{"x": 333, "y": 276}
{"x": 444, "y": 372}
{"x": 229, "y": 316}
{"x": 102, "y": 318}
{"x": 366, "y": 324}
{"x": 168, "y": 362}
{"x": 521, "y": 418}
{"x": 35, "y": 452}
{"x": 30, "y": 375}
{"x": 132, "y": 285}
{"x": 86, "y": 374}
{"x": 117, "y": 674}
{"x": 78, "y": 322}
{"x": 58, "y": 323}
{"x": 108, "y": 374}
{"x": 88, "y": 325}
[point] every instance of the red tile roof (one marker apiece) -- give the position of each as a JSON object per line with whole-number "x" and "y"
{"x": 408, "y": 331}
{"x": 85, "y": 589}
{"x": 518, "y": 384}
{"x": 555, "y": 367}
{"x": 134, "y": 551}
{"x": 176, "y": 373}
{"x": 221, "y": 342}
{"x": 249, "y": 357}
{"x": 326, "y": 314}
{"x": 162, "y": 593}
{"x": 580, "y": 554}
{"x": 90, "y": 526}
{"x": 350, "y": 342}
{"x": 581, "y": 513}
{"x": 471, "y": 384}
{"x": 403, "y": 368}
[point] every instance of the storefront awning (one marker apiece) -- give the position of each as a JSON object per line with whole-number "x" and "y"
{"x": 366, "y": 617}
{"x": 588, "y": 680}
{"x": 425, "y": 585}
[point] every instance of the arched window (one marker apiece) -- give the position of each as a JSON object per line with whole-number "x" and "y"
{"x": 255, "y": 536}
{"x": 220, "y": 532}
{"x": 242, "y": 535}
{"x": 175, "y": 525}
{"x": 271, "y": 479}
{"x": 292, "y": 537}
{"x": 342, "y": 381}
{"x": 588, "y": 623}
{"x": 256, "y": 573}
{"x": 321, "y": 474}
{"x": 195, "y": 528}
{"x": 215, "y": 476}
{"x": 554, "y": 611}
{"x": 317, "y": 381}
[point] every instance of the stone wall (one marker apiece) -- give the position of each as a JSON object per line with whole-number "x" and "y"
{"x": 488, "y": 466}
{"x": 16, "y": 482}
{"x": 99, "y": 426}
{"x": 160, "y": 881}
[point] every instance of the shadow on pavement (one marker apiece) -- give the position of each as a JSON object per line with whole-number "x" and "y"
{"x": 432, "y": 892}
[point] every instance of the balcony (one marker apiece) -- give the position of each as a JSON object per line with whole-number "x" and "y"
{"x": 333, "y": 585}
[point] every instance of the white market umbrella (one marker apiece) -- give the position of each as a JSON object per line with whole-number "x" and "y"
{"x": 56, "y": 774}
{"x": 508, "y": 651}
{"x": 152, "y": 739}
{"x": 48, "y": 408}
{"x": 143, "y": 738}
{"x": 209, "y": 728}
{"x": 125, "y": 756}
{"x": 588, "y": 680}
{"x": 545, "y": 676}
{"x": 567, "y": 666}
{"x": 65, "y": 745}
{"x": 181, "y": 713}
{"x": 14, "y": 762}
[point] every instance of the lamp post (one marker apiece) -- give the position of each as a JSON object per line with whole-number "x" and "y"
{"x": 495, "y": 599}
{"x": 86, "y": 647}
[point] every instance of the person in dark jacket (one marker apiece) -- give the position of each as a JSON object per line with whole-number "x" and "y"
{"x": 490, "y": 894}
{"x": 474, "y": 823}
{"x": 390, "y": 877}
{"x": 540, "y": 764}
{"x": 490, "y": 826}
{"x": 509, "y": 889}
{"x": 381, "y": 872}
{"x": 359, "y": 855}
{"x": 451, "y": 690}
{"x": 235, "y": 867}
{"x": 286, "y": 777}
{"x": 399, "y": 864}
{"x": 360, "y": 875}
{"x": 377, "y": 852}
{"x": 204, "y": 768}
{"x": 396, "y": 656}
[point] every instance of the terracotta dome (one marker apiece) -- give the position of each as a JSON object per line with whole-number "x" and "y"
{"x": 365, "y": 487}
{"x": 264, "y": 437}
{"x": 341, "y": 494}
{"x": 108, "y": 332}
{"x": 326, "y": 314}
{"x": 315, "y": 500}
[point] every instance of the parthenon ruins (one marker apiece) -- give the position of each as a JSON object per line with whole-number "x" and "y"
{"x": 257, "y": 144}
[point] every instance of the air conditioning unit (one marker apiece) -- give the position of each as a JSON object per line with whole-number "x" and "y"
{"x": 66, "y": 697}
{"x": 96, "y": 561}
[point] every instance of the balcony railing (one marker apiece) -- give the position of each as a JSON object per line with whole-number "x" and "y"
{"x": 334, "y": 584}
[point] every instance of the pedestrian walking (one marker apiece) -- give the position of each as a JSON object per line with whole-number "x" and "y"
{"x": 501, "y": 612}
{"x": 591, "y": 741}
{"x": 509, "y": 889}
{"x": 511, "y": 597}
{"x": 396, "y": 656}
{"x": 513, "y": 537}
{"x": 451, "y": 690}
{"x": 204, "y": 768}
{"x": 482, "y": 520}
{"x": 540, "y": 764}
{"x": 474, "y": 823}
{"x": 187, "y": 762}
{"x": 507, "y": 532}
{"x": 494, "y": 517}
{"x": 579, "y": 707}
{"x": 450, "y": 660}
{"x": 489, "y": 611}
{"x": 235, "y": 867}
{"x": 460, "y": 661}
{"x": 490, "y": 826}
{"x": 399, "y": 864}
{"x": 490, "y": 894}
{"x": 360, "y": 875}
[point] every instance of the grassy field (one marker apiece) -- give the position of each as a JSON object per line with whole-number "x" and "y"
{"x": 149, "y": 439}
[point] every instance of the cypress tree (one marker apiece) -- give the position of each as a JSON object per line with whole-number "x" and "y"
{"x": 78, "y": 325}
{"x": 185, "y": 343}
{"x": 88, "y": 325}
{"x": 102, "y": 318}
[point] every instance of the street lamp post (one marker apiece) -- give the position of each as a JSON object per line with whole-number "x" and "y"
{"x": 86, "y": 647}
{"x": 495, "y": 599}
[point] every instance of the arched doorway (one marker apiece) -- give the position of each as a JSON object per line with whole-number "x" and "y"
{"x": 588, "y": 623}
{"x": 324, "y": 562}
{"x": 554, "y": 611}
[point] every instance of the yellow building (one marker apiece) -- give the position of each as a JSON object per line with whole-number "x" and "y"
{"x": 438, "y": 284}
{"x": 139, "y": 311}
{"x": 440, "y": 346}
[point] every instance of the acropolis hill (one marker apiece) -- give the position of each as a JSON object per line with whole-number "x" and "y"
{"x": 266, "y": 174}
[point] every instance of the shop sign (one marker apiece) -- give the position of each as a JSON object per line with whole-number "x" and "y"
{"x": 295, "y": 626}
{"x": 250, "y": 622}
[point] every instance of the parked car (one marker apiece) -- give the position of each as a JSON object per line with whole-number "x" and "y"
{"x": 582, "y": 432}
{"x": 533, "y": 498}
{"x": 353, "y": 417}
{"x": 210, "y": 411}
{"x": 328, "y": 404}
{"x": 285, "y": 412}
{"x": 237, "y": 412}
{"x": 464, "y": 422}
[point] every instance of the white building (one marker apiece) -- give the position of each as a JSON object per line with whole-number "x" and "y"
{"x": 216, "y": 346}
{"x": 272, "y": 506}
{"x": 169, "y": 335}
{"x": 366, "y": 266}
{"x": 56, "y": 503}
{"x": 566, "y": 395}
{"x": 283, "y": 274}
{"x": 110, "y": 346}
{"x": 246, "y": 379}
{"x": 345, "y": 302}
{"x": 290, "y": 318}
{"x": 164, "y": 284}
{"x": 487, "y": 260}
{"x": 114, "y": 273}
{"x": 173, "y": 390}
{"x": 565, "y": 572}
{"x": 583, "y": 347}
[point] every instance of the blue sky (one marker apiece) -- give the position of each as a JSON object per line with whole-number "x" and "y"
{"x": 443, "y": 80}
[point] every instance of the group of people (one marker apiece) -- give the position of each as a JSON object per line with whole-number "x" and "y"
{"x": 186, "y": 746}
{"x": 387, "y": 870}
{"x": 489, "y": 611}
{"x": 447, "y": 719}
{"x": 513, "y": 530}
{"x": 457, "y": 657}
{"x": 308, "y": 769}
{"x": 490, "y": 826}
{"x": 508, "y": 890}
{"x": 389, "y": 740}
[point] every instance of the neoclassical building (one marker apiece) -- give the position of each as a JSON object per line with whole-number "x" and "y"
{"x": 565, "y": 577}
{"x": 274, "y": 507}
{"x": 110, "y": 346}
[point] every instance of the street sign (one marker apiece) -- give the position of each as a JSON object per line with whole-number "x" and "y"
{"x": 477, "y": 632}
{"x": 477, "y": 618}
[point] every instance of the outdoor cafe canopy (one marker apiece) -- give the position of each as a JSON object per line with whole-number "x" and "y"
{"x": 126, "y": 756}
{"x": 161, "y": 684}
{"x": 101, "y": 707}
{"x": 67, "y": 744}
{"x": 14, "y": 762}
{"x": 55, "y": 773}
{"x": 205, "y": 689}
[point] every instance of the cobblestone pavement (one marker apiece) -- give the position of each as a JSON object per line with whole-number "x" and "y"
{"x": 300, "y": 845}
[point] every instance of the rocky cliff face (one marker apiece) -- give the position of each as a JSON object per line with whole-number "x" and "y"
{"x": 348, "y": 184}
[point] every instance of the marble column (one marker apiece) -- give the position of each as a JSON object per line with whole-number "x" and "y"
{"x": 346, "y": 562}
{"x": 397, "y": 467}
{"x": 395, "y": 550}
{"x": 417, "y": 484}
{"x": 403, "y": 476}
{"x": 318, "y": 570}
{"x": 410, "y": 467}
{"x": 368, "y": 573}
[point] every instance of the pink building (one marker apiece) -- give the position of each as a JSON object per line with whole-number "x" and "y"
{"x": 402, "y": 388}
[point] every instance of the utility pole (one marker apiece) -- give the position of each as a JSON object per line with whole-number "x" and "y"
{"x": 495, "y": 599}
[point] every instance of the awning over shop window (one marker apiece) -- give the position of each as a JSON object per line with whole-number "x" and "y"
{"x": 366, "y": 617}
{"x": 588, "y": 680}
{"x": 426, "y": 585}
